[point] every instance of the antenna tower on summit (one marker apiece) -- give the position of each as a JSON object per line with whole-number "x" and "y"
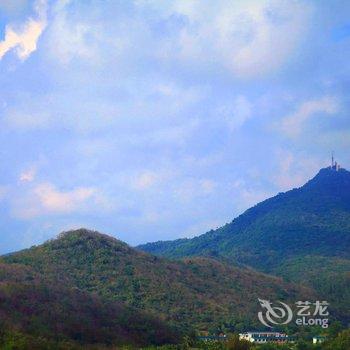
{"x": 332, "y": 159}
{"x": 334, "y": 166}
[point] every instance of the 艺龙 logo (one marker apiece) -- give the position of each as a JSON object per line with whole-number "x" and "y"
{"x": 308, "y": 313}
{"x": 274, "y": 315}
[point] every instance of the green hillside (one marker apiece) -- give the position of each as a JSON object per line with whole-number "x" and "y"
{"x": 42, "y": 314}
{"x": 314, "y": 219}
{"x": 196, "y": 293}
{"x": 302, "y": 235}
{"x": 129, "y": 296}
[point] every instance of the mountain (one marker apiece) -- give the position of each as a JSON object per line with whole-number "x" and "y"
{"x": 195, "y": 293}
{"x": 302, "y": 235}
{"x": 129, "y": 296}
{"x": 313, "y": 219}
{"x": 45, "y": 315}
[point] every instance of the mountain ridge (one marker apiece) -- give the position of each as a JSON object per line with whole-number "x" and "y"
{"x": 293, "y": 246}
{"x": 323, "y": 179}
{"x": 305, "y": 228}
{"x": 197, "y": 292}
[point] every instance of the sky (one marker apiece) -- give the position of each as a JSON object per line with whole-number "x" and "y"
{"x": 155, "y": 120}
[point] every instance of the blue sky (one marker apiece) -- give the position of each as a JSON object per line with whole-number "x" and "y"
{"x": 155, "y": 120}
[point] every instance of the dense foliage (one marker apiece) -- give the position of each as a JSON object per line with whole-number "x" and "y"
{"x": 340, "y": 341}
{"x": 33, "y": 311}
{"x": 87, "y": 290}
{"x": 195, "y": 293}
{"x": 302, "y": 235}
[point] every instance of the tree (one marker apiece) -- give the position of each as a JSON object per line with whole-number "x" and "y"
{"x": 341, "y": 342}
{"x": 334, "y": 329}
{"x": 234, "y": 343}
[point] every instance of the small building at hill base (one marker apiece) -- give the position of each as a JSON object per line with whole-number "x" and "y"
{"x": 318, "y": 339}
{"x": 265, "y": 337}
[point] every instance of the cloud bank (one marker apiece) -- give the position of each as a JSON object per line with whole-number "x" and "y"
{"x": 23, "y": 38}
{"x": 160, "y": 119}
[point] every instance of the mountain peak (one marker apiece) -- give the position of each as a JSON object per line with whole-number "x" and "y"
{"x": 83, "y": 236}
{"x": 312, "y": 219}
{"x": 86, "y": 260}
{"x": 331, "y": 171}
{"x": 83, "y": 233}
{"x": 331, "y": 178}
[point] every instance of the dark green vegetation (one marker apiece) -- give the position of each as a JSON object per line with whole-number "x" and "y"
{"x": 338, "y": 341}
{"x": 311, "y": 220}
{"x": 33, "y": 311}
{"x": 196, "y": 293}
{"x": 88, "y": 290}
{"x": 302, "y": 235}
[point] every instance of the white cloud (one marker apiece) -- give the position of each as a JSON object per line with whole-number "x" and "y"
{"x": 54, "y": 200}
{"x": 237, "y": 113}
{"x": 70, "y": 40}
{"x": 23, "y": 39}
{"x": 45, "y": 199}
{"x": 207, "y": 186}
{"x": 28, "y": 175}
{"x": 75, "y": 37}
{"x": 145, "y": 180}
{"x": 292, "y": 125}
{"x": 262, "y": 35}
{"x": 250, "y": 38}
{"x": 294, "y": 170}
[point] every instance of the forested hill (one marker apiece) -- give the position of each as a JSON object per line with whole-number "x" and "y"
{"x": 311, "y": 220}
{"x": 37, "y": 313}
{"x": 302, "y": 235}
{"x": 199, "y": 293}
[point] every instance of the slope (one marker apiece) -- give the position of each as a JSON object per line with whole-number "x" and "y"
{"x": 302, "y": 235}
{"x": 49, "y": 313}
{"x": 311, "y": 220}
{"x": 196, "y": 292}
